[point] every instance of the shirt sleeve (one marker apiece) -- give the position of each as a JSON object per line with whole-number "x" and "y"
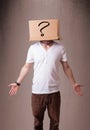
{"x": 30, "y": 58}
{"x": 63, "y": 55}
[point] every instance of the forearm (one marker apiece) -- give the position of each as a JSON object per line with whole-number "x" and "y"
{"x": 24, "y": 71}
{"x": 68, "y": 72}
{"x": 70, "y": 76}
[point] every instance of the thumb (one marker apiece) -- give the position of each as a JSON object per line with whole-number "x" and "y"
{"x": 12, "y": 84}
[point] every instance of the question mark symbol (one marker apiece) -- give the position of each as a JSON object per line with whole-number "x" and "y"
{"x": 42, "y": 34}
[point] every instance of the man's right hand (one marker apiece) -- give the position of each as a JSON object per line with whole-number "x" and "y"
{"x": 15, "y": 86}
{"x": 14, "y": 89}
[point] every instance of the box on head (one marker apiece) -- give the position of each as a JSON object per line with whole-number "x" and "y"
{"x": 44, "y": 30}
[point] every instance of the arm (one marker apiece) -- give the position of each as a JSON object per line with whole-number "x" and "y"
{"x": 24, "y": 71}
{"x": 71, "y": 78}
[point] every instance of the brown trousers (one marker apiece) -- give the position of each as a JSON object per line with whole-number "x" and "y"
{"x": 39, "y": 104}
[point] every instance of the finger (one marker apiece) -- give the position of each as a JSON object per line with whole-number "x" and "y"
{"x": 9, "y": 85}
{"x": 12, "y": 84}
{"x": 81, "y": 86}
{"x": 11, "y": 92}
{"x": 80, "y": 93}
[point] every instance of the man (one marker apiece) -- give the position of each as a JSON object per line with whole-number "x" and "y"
{"x": 46, "y": 57}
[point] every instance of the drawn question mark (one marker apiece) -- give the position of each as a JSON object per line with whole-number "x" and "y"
{"x": 42, "y": 34}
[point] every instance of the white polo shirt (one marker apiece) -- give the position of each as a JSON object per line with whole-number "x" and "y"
{"x": 46, "y": 67}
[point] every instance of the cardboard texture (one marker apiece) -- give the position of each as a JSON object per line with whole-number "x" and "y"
{"x": 43, "y": 30}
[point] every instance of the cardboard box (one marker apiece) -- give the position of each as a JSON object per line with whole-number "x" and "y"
{"x": 43, "y": 30}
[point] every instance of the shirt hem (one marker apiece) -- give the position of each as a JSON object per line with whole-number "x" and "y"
{"x": 45, "y": 92}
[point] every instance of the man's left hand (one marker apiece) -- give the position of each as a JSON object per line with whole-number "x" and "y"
{"x": 78, "y": 90}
